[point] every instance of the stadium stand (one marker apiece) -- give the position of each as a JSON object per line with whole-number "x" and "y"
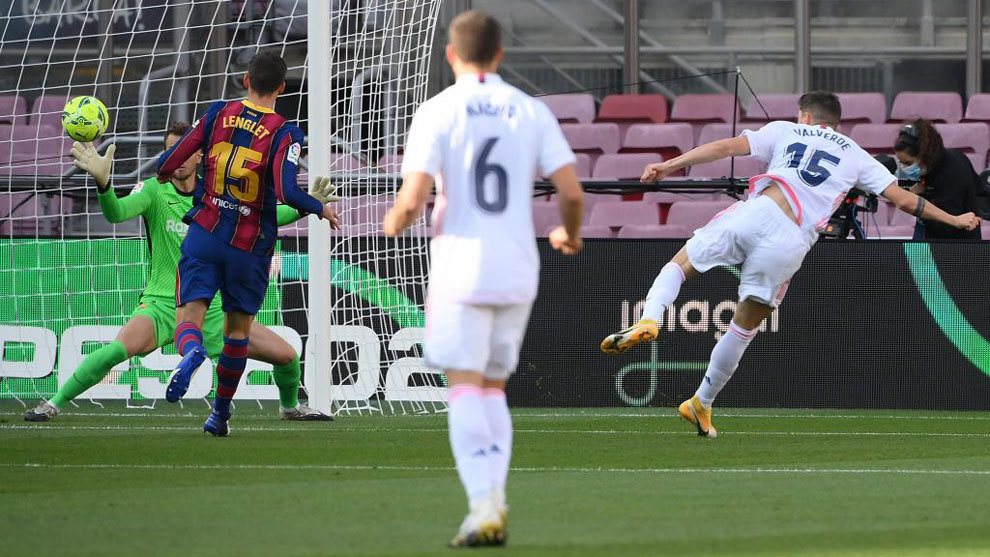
{"x": 626, "y": 110}
{"x": 666, "y": 140}
{"x": 624, "y": 166}
{"x": 972, "y": 138}
{"x": 592, "y": 139}
{"x": 861, "y": 108}
{"x": 13, "y": 110}
{"x": 33, "y": 214}
{"x": 745, "y": 167}
{"x": 978, "y": 108}
{"x": 574, "y": 108}
{"x": 876, "y": 138}
{"x": 653, "y": 231}
{"x": 618, "y": 214}
{"x": 937, "y": 107}
{"x": 47, "y": 111}
{"x": 778, "y": 106}
{"x": 695, "y": 214}
{"x": 714, "y": 132}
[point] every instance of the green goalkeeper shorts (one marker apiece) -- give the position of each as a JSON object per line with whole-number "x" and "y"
{"x": 161, "y": 311}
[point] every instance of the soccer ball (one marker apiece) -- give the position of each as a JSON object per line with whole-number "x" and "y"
{"x": 84, "y": 118}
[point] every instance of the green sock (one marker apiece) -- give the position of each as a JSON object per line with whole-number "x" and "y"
{"x": 287, "y": 380}
{"x": 91, "y": 371}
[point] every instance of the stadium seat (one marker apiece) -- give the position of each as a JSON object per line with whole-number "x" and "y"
{"x": 13, "y": 110}
{"x": 704, "y": 108}
{"x": 38, "y": 150}
{"x": 545, "y": 216}
{"x": 623, "y": 213}
{"x": 667, "y": 140}
{"x": 861, "y": 108}
{"x": 583, "y": 165}
{"x": 29, "y": 214}
{"x": 47, "y": 110}
{"x": 985, "y": 229}
{"x": 391, "y": 164}
{"x": 595, "y": 232}
{"x": 714, "y": 132}
{"x": 972, "y": 138}
{"x": 900, "y": 218}
{"x": 341, "y": 162}
{"x": 574, "y": 108}
{"x": 626, "y": 110}
{"x": 978, "y": 108}
{"x": 893, "y": 232}
{"x": 778, "y": 106}
{"x": 937, "y": 107}
{"x": 695, "y": 214}
{"x": 669, "y": 197}
{"x": 876, "y": 138}
{"x": 881, "y": 217}
{"x": 745, "y": 167}
{"x": 653, "y": 231}
{"x": 592, "y": 139}
{"x": 363, "y": 215}
{"x": 627, "y": 166}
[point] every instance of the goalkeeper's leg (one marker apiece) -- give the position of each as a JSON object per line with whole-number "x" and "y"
{"x": 136, "y": 337}
{"x": 266, "y": 346}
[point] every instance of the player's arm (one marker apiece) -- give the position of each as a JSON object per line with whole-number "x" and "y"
{"x": 919, "y": 207}
{"x": 709, "y": 152}
{"x": 287, "y": 215}
{"x": 285, "y": 167}
{"x": 409, "y": 203}
{"x": 570, "y": 202}
{"x": 193, "y": 140}
{"x": 87, "y": 159}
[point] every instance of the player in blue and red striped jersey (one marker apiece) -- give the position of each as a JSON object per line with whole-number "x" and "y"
{"x": 251, "y": 156}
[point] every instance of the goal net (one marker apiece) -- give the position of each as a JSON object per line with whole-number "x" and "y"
{"x": 351, "y": 303}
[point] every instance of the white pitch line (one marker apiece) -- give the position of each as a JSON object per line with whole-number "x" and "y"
{"x": 54, "y": 428}
{"x": 361, "y": 467}
{"x": 524, "y": 415}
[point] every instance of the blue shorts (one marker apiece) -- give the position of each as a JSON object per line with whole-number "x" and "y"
{"x": 209, "y": 264}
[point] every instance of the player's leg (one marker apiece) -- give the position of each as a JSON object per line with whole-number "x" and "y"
{"x": 265, "y": 346}
{"x": 723, "y": 363}
{"x": 136, "y": 337}
{"x": 457, "y": 341}
{"x": 190, "y": 317}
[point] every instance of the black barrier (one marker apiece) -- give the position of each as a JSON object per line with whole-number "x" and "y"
{"x": 875, "y": 324}
{"x": 864, "y": 325}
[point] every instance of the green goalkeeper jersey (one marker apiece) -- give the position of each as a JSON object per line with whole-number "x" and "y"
{"x": 162, "y": 207}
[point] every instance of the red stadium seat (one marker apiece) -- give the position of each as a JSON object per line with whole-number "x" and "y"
{"x": 861, "y": 108}
{"x": 714, "y": 132}
{"x": 653, "y": 231}
{"x": 574, "y": 108}
{"x": 627, "y": 166}
{"x": 695, "y": 214}
{"x": 876, "y": 138}
{"x": 13, "y": 110}
{"x": 937, "y": 107}
{"x": 623, "y": 213}
{"x": 666, "y": 140}
{"x": 978, "y": 108}
{"x": 633, "y": 109}
{"x": 779, "y": 106}
{"x": 592, "y": 139}
{"x": 973, "y": 138}
{"x": 745, "y": 167}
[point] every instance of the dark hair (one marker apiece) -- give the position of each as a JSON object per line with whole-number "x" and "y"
{"x": 267, "y": 72}
{"x": 823, "y": 106}
{"x": 921, "y": 139}
{"x": 176, "y": 128}
{"x": 476, "y": 37}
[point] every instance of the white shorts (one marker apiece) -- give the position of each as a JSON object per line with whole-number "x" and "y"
{"x": 482, "y": 338}
{"x": 757, "y": 234}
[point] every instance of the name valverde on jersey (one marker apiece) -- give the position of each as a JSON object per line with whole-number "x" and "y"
{"x": 816, "y": 166}
{"x": 484, "y": 142}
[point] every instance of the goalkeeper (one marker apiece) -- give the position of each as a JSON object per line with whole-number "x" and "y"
{"x": 162, "y": 205}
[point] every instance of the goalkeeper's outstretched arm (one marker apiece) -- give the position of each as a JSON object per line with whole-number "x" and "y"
{"x": 115, "y": 210}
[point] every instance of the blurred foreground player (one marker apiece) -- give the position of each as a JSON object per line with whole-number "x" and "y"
{"x": 811, "y": 168}
{"x": 162, "y": 205}
{"x": 483, "y": 142}
{"x": 251, "y": 155}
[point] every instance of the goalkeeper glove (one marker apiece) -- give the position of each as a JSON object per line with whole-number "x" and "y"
{"x": 89, "y": 160}
{"x": 323, "y": 190}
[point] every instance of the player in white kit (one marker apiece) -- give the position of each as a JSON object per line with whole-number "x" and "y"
{"x": 811, "y": 168}
{"x": 483, "y": 142}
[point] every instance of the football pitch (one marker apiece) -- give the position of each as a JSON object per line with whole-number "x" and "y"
{"x": 117, "y": 481}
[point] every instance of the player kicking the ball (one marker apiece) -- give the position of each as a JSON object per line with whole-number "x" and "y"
{"x": 252, "y": 155}
{"x": 162, "y": 205}
{"x": 483, "y": 142}
{"x": 811, "y": 168}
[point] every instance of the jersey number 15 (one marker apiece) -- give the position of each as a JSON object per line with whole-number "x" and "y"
{"x": 229, "y": 161}
{"x": 813, "y": 173}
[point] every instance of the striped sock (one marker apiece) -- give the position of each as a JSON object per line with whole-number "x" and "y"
{"x": 188, "y": 336}
{"x": 229, "y": 371}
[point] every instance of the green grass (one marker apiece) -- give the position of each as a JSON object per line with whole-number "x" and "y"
{"x": 585, "y": 482}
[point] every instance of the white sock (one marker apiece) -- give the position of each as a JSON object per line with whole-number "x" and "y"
{"x": 663, "y": 292}
{"x": 500, "y": 424}
{"x": 725, "y": 359}
{"x": 470, "y": 440}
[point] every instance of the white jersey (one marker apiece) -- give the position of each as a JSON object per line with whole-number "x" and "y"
{"x": 484, "y": 142}
{"x": 816, "y": 166}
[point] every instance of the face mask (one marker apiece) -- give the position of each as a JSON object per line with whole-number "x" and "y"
{"x": 911, "y": 172}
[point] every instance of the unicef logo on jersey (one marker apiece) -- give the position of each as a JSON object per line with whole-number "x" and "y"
{"x": 244, "y": 210}
{"x": 176, "y": 227}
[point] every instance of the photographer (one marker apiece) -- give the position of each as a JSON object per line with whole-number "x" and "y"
{"x": 943, "y": 176}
